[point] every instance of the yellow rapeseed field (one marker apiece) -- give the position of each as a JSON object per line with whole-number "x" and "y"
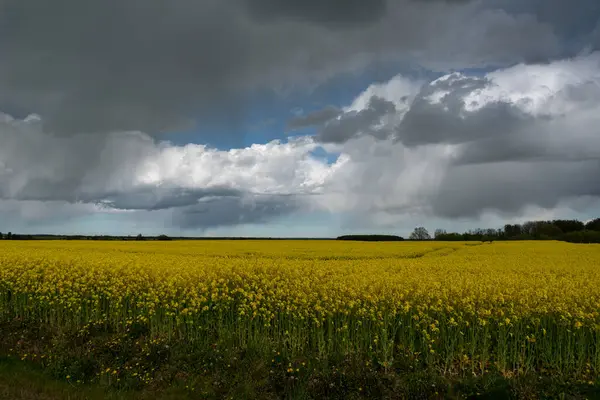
{"x": 512, "y": 306}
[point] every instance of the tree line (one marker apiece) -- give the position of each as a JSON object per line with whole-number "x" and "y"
{"x": 568, "y": 230}
{"x": 371, "y": 238}
{"x": 14, "y": 236}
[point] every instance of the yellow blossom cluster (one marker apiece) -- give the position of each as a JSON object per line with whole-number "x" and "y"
{"x": 513, "y": 305}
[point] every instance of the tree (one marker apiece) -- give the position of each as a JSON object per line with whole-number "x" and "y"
{"x": 442, "y": 235}
{"x": 528, "y": 228}
{"x": 548, "y": 230}
{"x": 582, "y": 237}
{"x": 139, "y": 237}
{"x": 1, "y": 237}
{"x": 420, "y": 233}
{"x": 569, "y": 225}
{"x": 512, "y": 230}
{"x": 9, "y": 236}
{"x": 544, "y": 229}
{"x": 439, "y": 233}
{"x": 593, "y": 225}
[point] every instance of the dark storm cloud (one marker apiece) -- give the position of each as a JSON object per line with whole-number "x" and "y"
{"x": 327, "y": 12}
{"x": 39, "y": 189}
{"x": 525, "y": 147}
{"x": 509, "y": 187}
{"x": 157, "y": 66}
{"x": 35, "y": 165}
{"x": 354, "y": 123}
{"x": 233, "y": 210}
{"x": 429, "y": 122}
{"x": 570, "y": 19}
{"x": 497, "y": 131}
{"x": 448, "y": 121}
{"x": 39, "y": 169}
{"x": 509, "y": 159}
{"x": 140, "y": 197}
{"x": 152, "y": 198}
{"x": 124, "y": 65}
{"x": 594, "y": 37}
{"x": 466, "y": 145}
{"x": 314, "y": 118}
{"x": 513, "y": 135}
{"x": 17, "y": 215}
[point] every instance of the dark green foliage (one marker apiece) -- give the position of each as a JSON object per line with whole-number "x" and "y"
{"x": 228, "y": 370}
{"x": 582, "y": 237}
{"x": 593, "y": 225}
{"x": 566, "y": 230}
{"x": 511, "y": 231}
{"x": 452, "y": 236}
{"x": 541, "y": 229}
{"x": 14, "y": 236}
{"x": 420, "y": 233}
{"x": 569, "y": 225}
{"x": 372, "y": 238}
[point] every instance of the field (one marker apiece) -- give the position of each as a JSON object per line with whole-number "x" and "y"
{"x": 302, "y": 319}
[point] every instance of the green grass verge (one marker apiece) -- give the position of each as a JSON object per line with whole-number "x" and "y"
{"x": 105, "y": 365}
{"x": 20, "y": 380}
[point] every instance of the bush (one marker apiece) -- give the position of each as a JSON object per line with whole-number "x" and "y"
{"x": 448, "y": 237}
{"x": 582, "y": 237}
{"x": 372, "y": 238}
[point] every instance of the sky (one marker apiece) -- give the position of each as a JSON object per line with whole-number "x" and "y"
{"x": 310, "y": 118}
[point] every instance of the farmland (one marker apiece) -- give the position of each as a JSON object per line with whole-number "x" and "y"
{"x": 300, "y": 316}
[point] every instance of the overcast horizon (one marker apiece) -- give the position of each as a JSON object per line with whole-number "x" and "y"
{"x": 305, "y": 118}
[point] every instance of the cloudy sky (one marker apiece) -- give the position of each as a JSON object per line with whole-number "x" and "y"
{"x": 296, "y": 118}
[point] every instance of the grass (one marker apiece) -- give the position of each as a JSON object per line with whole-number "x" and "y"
{"x": 21, "y": 380}
{"x": 241, "y": 373}
{"x": 25, "y": 381}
